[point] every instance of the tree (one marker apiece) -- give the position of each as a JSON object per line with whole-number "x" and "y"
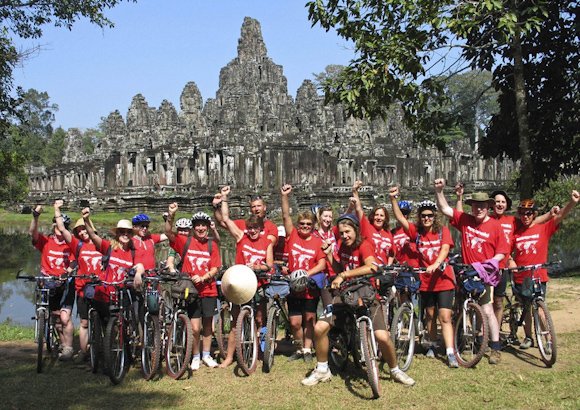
{"x": 406, "y": 49}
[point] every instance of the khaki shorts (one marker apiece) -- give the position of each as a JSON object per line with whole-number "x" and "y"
{"x": 487, "y": 296}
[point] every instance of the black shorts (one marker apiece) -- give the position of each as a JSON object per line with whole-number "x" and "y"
{"x": 444, "y": 299}
{"x": 202, "y": 307}
{"x": 63, "y": 297}
{"x": 499, "y": 290}
{"x": 298, "y": 306}
{"x": 82, "y": 308}
{"x": 338, "y": 309}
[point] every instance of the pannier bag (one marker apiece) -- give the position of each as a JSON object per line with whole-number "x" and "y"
{"x": 278, "y": 287}
{"x": 472, "y": 283}
{"x": 364, "y": 291}
{"x": 409, "y": 280}
{"x": 184, "y": 289}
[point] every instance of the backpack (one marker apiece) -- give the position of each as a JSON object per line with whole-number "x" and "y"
{"x": 186, "y": 247}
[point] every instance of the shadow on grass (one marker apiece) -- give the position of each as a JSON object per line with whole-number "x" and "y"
{"x": 525, "y": 356}
{"x": 355, "y": 380}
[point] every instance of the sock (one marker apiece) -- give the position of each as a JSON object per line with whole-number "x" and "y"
{"x": 205, "y": 354}
{"x": 322, "y": 367}
{"x": 306, "y": 350}
{"x": 449, "y": 351}
{"x": 395, "y": 369}
{"x": 495, "y": 345}
{"x": 196, "y": 356}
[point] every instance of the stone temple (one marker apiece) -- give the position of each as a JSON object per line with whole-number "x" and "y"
{"x": 253, "y": 136}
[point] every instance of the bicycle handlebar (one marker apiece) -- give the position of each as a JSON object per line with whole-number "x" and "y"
{"x": 536, "y": 266}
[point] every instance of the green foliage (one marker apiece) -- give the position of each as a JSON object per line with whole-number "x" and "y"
{"x": 52, "y": 152}
{"x": 13, "y": 178}
{"x": 557, "y": 192}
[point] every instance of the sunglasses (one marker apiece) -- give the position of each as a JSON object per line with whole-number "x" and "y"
{"x": 526, "y": 213}
{"x": 143, "y": 226}
{"x": 427, "y": 216}
{"x": 305, "y": 223}
{"x": 124, "y": 231}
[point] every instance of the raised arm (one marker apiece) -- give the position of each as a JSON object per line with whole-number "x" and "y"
{"x": 575, "y": 196}
{"x": 459, "y": 191}
{"x": 355, "y": 199}
{"x": 171, "y": 211}
{"x": 33, "y": 230}
{"x": 285, "y": 202}
{"x": 440, "y": 198}
{"x": 394, "y": 195}
{"x": 232, "y": 228}
{"x": 59, "y": 221}
{"x": 214, "y": 232}
{"x": 96, "y": 239}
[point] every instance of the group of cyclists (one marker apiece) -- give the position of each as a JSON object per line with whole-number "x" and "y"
{"x": 312, "y": 245}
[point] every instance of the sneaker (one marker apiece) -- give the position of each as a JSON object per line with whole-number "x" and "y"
{"x": 403, "y": 378}
{"x": 82, "y": 356}
{"x": 308, "y": 357}
{"x": 296, "y": 356}
{"x": 494, "y": 357}
{"x": 527, "y": 343}
{"x": 195, "y": 362}
{"x": 209, "y": 362}
{"x": 548, "y": 349}
{"x": 66, "y": 354}
{"x": 452, "y": 361}
{"x": 430, "y": 353}
{"x": 317, "y": 377}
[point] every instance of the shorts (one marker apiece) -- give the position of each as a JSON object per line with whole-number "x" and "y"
{"x": 202, "y": 307}
{"x": 444, "y": 299}
{"x": 298, "y": 307}
{"x": 499, "y": 290}
{"x": 487, "y": 297}
{"x": 63, "y": 297}
{"x": 376, "y": 314}
{"x": 517, "y": 289}
{"x": 82, "y": 307}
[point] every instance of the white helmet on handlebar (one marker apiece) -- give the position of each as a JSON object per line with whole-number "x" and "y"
{"x": 299, "y": 280}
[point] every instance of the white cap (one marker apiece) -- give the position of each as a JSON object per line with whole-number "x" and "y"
{"x": 239, "y": 284}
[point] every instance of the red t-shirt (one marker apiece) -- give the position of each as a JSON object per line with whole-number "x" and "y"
{"x": 429, "y": 246}
{"x": 353, "y": 258}
{"x": 120, "y": 262}
{"x": 55, "y": 255}
{"x": 405, "y": 249}
{"x": 145, "y": 250}
{"x": 508, "y": 225}
{"x": 304, "y": 254}
{"x": 331, "y": 237}
{"x": 531, "y": 247}
{"x": 89, "y": 261}
{"x": 250, "y": 252}
{"x": 198, "y": 261}
{"x": 479, "y": 241}
{"x": 270, "y": 227}
{"x": 380, "y": 238}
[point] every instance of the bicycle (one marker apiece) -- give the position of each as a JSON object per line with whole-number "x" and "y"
{"x": 45, "y": 329}
{"x": 276, "y": 291}
{"x": 470, "y": 327}
{"x": 518, "y": 307}
{"x": 223, "y": 320}
{"x": 151, "y": 351}
{"x": 95, "y": 329}
{"x": 353, "y": 334}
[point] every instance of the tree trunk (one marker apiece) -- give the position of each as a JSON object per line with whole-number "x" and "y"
{"x": 521, "y": 108}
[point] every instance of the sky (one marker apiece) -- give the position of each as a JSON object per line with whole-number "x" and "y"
{"x": 157, "y": 46}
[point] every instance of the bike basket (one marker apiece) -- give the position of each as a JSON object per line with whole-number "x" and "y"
{"x": 353, "y": 293}
{"x": 527, "y": 288}
{"x": 277, "y": 287}
{"x": 184, "y": 289}
{"x": 409, "y": 281}
{"x": 472, "y": 283}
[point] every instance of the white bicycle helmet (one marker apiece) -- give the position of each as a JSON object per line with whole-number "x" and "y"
{"x": 183, "y": 223}
{"x": 426, "y": 204}
{"x": 299, "y": 280}
{"x": 201, "y": 217}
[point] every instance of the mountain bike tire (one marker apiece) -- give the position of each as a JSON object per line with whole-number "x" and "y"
{"x": 470, "y": 343}
{"x": 151, "y": 351}
{"x": 40, "y": 335}
{"x": 179, "y": 347}
{"x": 403, "y": 336}
{"x": 222, "y": 330}
{"x": 246, "y": 343}
{"x": 271, "y": 337}
{"x": 369, "y": 358}
{"x": 116, "y": 352}
{"x": 545, "y": 333}
{"x": 95, "y": 340}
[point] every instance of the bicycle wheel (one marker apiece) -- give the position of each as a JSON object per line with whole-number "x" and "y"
{"x": 222, "y": 330}
{"x": 271, "y": 337}
{"x": 116, "y": 354}
{"x": 179, "y": 346}
{"x": 369, "y": 358}
{"x": 471, "y": 333}
{"x": 514, "y": 315}
{"x": 337, "y": 349}
{"x": 403, "y": 336}
{"x": 246, "y": 342}
{"x": 151, "y": 351}
{"x": 545, "y": 333}
{"x": 40, "y": 335}
{"x": 95, "y": 340}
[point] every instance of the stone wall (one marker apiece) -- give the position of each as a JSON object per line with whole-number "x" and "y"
{"x": 253, "y": 136}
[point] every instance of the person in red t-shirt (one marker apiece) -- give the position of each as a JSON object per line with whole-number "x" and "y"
{"x": 530, "y": 247}
{"x": 201, "y": 261}
{"x": 355, "y": 257}
{"x": 405, "y": 249}
{"x": 375, "y": 228}
{"x": 304, "y": 253}
{"x": 89, "y": 262}
{"x": 55, "y": 260}
{"x": 253, "y": 250}
{"x": 482, "y": 239}
{"x": 257, "y": 207}
{"x": 144, "y": 241}
{"x": 437, "y": 286}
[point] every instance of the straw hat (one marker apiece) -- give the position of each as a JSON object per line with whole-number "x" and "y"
{"x": 123, "y": 224}
{"x": 239, "y": 284}
{"x": 81, "y": 222}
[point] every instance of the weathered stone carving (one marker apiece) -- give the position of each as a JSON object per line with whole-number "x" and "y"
{"x": 255, "y": 137}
